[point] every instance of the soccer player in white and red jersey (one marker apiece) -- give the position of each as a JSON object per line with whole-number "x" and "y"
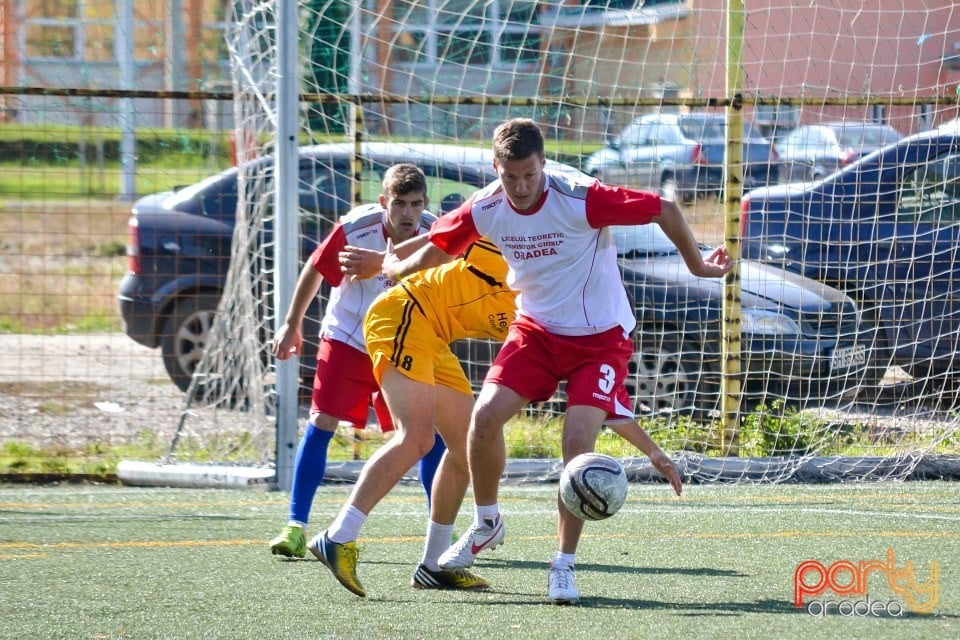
{"x": 344, "y": 385}
{"x": 574, "y": 319}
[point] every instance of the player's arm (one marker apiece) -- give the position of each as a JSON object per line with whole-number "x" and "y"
{"x": 359, "y": 263}
{"x": 449, "y": 236}
{"x": 635, "y": 435}
{"x": 322, "y": 264}
{"x": 289, "y": 337}
{"x": 611, "y": 205}
{"x": 427, "y": 256}
{"x": 675, "y": 226}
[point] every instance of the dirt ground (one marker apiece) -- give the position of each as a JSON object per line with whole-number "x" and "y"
{"x": 77, "y": 390}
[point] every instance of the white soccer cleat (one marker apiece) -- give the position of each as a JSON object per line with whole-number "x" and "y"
{"x": 477, "y": 538}
{"x": 560, "y": 586}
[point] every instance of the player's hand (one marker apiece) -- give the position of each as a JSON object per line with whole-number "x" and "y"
{"x": 287, "y": 342}
{"x": 358, "y": 263}
{"x": 390, "y": 260}
{"x": 715, "y": 265}
{"x": 668, "y": 470}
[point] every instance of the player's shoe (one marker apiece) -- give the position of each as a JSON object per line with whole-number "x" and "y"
{"x": 560, "y": 586}
{"x": 488, "y": 535}
{"x": 290, "y": 543}
{"x": 463, "y": 579}
{"x": 341, "y": 559}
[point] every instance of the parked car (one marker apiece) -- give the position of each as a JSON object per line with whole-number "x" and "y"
{"x": 681, "y": 155}
{"x": 813, "y": 151}
{"x": 794, "y": 329}
{"x": 885, "y": 229}
{"x": 800, "y": 338}
{"x": 180, "y": 241}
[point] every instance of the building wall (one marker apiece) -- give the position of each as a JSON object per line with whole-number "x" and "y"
{"x": 840, "y": 47}
{"x": 881, "y": 47}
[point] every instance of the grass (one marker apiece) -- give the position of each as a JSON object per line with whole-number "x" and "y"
{"x": 121, "y": 562}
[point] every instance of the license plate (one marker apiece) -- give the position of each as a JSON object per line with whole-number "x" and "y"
{"x": 846, "y": 357}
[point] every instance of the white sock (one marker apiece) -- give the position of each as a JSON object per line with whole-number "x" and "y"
{"x": 346, "y": 528}
{"x": 563, "y": 560}
{"x": 438, "y": 541}
{"x": 483, "y": 514}
{"x": 297, "y": 523}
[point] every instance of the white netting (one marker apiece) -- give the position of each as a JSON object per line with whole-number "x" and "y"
{"x": 448, "y": 71}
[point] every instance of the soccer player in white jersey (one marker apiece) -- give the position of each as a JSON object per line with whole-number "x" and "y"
{"x": 574, "y": 319}
{"x": 344, "y": 385}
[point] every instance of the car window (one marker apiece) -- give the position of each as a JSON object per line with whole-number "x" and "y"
{"x": 635, "y": 134}
{"x": 703, "y": 128}
{"x": 323, "y": 195}
{"x": 221, "y": 203}
{"x": 750, "y": 132}
{"x": 856, "y": 137}
{"x": 214, "y": 197}
{"x": 931, "y": 192}
{"x": 663, "y": 134}
{"x": 448, "y": 185}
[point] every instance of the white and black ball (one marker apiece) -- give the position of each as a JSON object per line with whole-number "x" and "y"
{"x": 593, "y": 486}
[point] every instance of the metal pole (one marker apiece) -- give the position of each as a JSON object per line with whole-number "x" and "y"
{"x": 174, "y": 66}
{"x": 287, "y": 249}
{"x": 733, "y": 191}
{"x": 128, "y": 74}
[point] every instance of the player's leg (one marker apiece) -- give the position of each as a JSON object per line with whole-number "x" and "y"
{"x": 428, "y": 463}
{"x": 411, "y": 406}
{"x": 486, "y": 457}
{"x": 519, "y": 373}
{"x": 450, "y": 484}
{"x": 342, "y": 386}
{"x": 309, "y": 467}
{"x": 595, "y": 368}
{"x": 581, "y": 426}
{"x": 428, "y": 467}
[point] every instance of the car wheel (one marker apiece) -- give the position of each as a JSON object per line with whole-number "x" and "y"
{"x": 668, "y": 187}
{"x": 185, "y": 335}
{"x": 878, "y": 362}
{"x": 670, "y": 376}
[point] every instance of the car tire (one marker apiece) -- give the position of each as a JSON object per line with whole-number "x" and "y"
{"x": 878, "y": 362}
{"x": 670, "y": 376}
{"x": 185, "y": 334}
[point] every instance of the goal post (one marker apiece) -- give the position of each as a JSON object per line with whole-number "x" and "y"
{"x": 729, "y": 390}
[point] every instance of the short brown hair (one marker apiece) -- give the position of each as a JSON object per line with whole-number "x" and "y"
{"x": 517, "y": 139}
{"x": 403, "y": 178}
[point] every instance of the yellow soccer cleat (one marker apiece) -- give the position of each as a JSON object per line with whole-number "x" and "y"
{"x": 341, "y": 559}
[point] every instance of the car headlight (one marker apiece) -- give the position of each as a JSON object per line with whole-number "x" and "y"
{"x": 771, "y": 323}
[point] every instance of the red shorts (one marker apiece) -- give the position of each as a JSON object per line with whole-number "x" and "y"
{"x": 344, "y": 386}
{"x": 532, "y": 362}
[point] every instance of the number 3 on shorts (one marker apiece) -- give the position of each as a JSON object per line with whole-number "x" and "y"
{"x": 608, "y": 377}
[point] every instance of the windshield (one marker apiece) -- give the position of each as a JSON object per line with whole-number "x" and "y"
{"x": 642, "y": 239}
{"x": 708, "y": 127}
{"x": 867, "y": 136}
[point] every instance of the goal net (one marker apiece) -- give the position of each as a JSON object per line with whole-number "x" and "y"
{"x": 827, "y": 355}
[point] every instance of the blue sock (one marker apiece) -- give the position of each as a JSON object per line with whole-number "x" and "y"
{"x": 429, "y": 464}
{"x": 308, "y": 469}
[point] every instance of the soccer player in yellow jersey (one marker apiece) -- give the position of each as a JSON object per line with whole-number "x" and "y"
{"x": 408, "y": 331}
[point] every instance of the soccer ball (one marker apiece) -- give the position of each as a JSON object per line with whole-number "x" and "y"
{"x": 593, "y": 486}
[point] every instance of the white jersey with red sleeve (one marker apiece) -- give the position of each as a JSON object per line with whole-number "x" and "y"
{"x": 562, "y": 258}
{"x": 362, "y": 227}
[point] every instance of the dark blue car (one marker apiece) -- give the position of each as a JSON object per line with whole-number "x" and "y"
{"x": 886, "y": 230}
